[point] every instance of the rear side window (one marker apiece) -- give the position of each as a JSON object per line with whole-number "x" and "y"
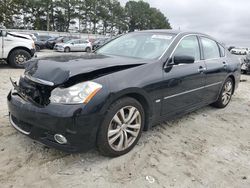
{"x": 210, "y": 48}
{"x": 189, "y": 46}
{"x": 222, "y": 51}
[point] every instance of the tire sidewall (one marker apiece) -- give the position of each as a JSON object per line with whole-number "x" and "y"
{"x": 12, "y": 58}
{"x": 221, "y": 105}
{"x": 67, "y": 50}
{"x": 102, "y": 137}
{"x": 88, "y": 50}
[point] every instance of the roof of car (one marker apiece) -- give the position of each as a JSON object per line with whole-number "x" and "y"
{"x": 171, "y": 31}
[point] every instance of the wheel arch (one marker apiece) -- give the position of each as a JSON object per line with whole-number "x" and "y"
{"x": 233, "y": 78}
{"x": 138, "y": 94}
{"x": 19, "y": 48}
{"x": 67, "y": 47}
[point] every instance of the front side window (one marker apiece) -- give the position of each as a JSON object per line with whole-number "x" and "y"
{"x": 210, "y": 48}
{"x": 189, "y": 46}
{"x": 138, "y": 45}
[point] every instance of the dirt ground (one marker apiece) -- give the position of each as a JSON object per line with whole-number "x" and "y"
{"x": 207, "y": 148}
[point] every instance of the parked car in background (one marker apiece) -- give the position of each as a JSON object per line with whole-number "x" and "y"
{"x": 43, "y": 38}
{"x": 245, "y": 66}
{"x": 240, "y": 51}
{"x": 52, "y": 41}
{"x": 16, "y": 48}
{"x": 230, "y": 48}
{"x": 41, "y": 42}
{"x": 74, "y": 46}
{"x": 99, "y": 42}
{"x": 106, "y": 99}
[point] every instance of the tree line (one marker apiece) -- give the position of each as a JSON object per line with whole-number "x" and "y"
{"x": 89, "y": 16}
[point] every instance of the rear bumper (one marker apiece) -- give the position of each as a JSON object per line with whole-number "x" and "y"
{"x": 42, "y": 124}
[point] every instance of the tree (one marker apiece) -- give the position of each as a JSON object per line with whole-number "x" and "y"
{"x": 141, "y": 16}
{"x": 8, "y": 9}
{"x": 96, "y": 16}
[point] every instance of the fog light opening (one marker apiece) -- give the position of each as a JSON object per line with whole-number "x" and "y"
{"x": 60, "y": 139}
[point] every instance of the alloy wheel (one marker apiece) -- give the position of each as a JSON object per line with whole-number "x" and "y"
{"x": 124, "y": 128}
{"x": 21, "y": 59}
{"x": 227, "y": 92}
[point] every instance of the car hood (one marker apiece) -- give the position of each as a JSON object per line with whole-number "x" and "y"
{"x": 19, "y": 35}
{"x": 59, "y": 69}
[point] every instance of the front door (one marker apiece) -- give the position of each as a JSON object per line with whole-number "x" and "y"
{"x": 184, "y": 83}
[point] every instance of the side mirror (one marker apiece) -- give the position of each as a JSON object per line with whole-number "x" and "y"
{"x": 183, "y": 59}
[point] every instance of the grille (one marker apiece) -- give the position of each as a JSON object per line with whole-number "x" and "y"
{"x": 34, "y": 92}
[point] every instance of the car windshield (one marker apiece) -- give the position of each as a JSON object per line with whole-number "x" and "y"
{"x": 138, "y": 45}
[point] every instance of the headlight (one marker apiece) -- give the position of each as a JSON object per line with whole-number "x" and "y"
{"x": 79, "y": 93}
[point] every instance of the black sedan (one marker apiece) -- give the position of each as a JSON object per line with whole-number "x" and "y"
{"x": 40, "y": 43}
{"x": 106, "y": 99}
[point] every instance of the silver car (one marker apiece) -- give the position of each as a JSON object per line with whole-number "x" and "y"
{"x": 75, "y": 45}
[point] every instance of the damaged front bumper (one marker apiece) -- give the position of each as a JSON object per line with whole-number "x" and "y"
{"x": 43, "y": 123}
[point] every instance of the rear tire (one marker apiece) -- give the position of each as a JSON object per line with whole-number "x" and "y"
{"x": 88, "y": 50}
{"x": 225, "y": 94}
{"x": 18, "y": 58}
{"x": 115, "y": 139}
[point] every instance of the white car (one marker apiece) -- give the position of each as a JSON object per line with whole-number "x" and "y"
{"x": 239, "y": 51}
{"x": 16, "y": 48}
{"x": 75, "y": 45}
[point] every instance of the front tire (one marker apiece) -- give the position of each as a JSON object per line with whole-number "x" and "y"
{"x": 225, "y": 94}
{"x": 18, "y": 58}
{"x": 67, "y": 50}
{"x": 121, "y": 128}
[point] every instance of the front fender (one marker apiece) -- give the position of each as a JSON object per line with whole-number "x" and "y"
{"x": 136, "y": 93}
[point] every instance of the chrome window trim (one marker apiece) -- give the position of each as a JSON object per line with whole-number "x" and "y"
{"x": 172, "y": 53}
{"x": 223, "y": 49}
{"x": 217, "y": 45}
{"x": 16, "y": 126}
{"x": 40, "y": 81}
{"x": 192, "y": 90}
{"x": 169, "y": 46}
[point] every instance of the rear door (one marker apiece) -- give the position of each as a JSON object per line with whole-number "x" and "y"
{"x": 217, "y": 67}
{"x": 184, "y": 83}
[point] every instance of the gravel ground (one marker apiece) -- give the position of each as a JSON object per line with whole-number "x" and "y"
{"x": 207, "y": 148}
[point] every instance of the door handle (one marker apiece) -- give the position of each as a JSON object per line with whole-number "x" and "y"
{"x": 224, "y": 65}
{"x": 202, "y": 69}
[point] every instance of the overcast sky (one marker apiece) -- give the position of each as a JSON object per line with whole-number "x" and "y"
{"x": 226, "y": 20}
